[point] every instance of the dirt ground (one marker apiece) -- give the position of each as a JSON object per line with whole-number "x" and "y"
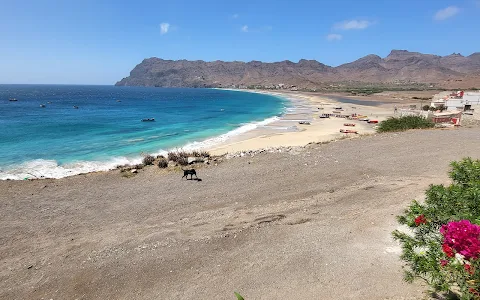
{"x": 309, "y": 224}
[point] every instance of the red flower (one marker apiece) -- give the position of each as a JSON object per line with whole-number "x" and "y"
{"x": 469, "y": 269}
{"x": 448, "y": 250}
{"x": 443, "y": 262}
{"x": 420, "y": 220}
{"x": 473, "y": 291}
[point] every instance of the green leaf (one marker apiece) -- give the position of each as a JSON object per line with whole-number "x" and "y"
{"x": 239, "y": 297}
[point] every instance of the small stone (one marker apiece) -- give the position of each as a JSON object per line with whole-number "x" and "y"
{"x": 134, "y": 171}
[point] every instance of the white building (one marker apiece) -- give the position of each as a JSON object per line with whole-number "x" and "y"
{"x": 468, "y": 101}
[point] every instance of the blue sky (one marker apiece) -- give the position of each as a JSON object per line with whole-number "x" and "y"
{"x": 99, "y": 42}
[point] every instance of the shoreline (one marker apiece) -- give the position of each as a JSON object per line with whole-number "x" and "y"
{"x": 44, "y": 167}
{"x": 272, "y": 132}
{"x": 287, "y": 132}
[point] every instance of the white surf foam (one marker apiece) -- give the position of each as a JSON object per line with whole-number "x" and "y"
{"x": 41, "y": 168}
{"x": 224, "y": 137}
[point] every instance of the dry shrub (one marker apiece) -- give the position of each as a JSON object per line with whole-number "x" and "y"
{"x": 148, "y": 160}
{"x": 163, "y": 163}
{"x": 183, "y": 161}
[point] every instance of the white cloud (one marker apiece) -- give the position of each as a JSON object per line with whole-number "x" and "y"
{"x": 164, "y": 27}
{"x": 334, "y": 37}
{"x": 235, "y": 16}
{"x": 263, "y": 29}
{"x": 446, "y": 13}
{"x": 353, "y": 24}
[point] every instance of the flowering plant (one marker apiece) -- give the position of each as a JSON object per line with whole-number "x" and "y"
{"x": 463, "y": 237}
{"x": 442, "y": 243}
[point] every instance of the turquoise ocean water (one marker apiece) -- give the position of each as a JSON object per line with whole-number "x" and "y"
{"x": 106, "y": 130}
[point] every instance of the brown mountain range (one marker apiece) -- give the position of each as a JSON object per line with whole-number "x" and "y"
{"x": 400, "y": 66}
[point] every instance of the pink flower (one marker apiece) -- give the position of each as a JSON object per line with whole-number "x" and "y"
{"x": 463, "y": 237}
{"x": 443, "y": 262}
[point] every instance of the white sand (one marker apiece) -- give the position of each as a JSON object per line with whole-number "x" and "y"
{"x": 308, "y": 108}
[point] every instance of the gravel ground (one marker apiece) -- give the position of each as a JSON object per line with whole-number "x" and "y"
{"x": 308, "y": 224}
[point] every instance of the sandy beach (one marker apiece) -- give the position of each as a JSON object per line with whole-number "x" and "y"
{"x": 309, "y": 107}
{"x": 310, "y": 223}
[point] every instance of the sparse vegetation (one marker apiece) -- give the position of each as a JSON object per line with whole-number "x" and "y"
{"x": 239, "y": 297}
{"x": 426, "y": 107}
{"x": 405, "y": 123}
{"x": 128, "y": 174}
{"x": 163, "y": 163}
{"x": 180, "y": 155}
{"x": 148, "y": 160}
{"x": 204, "y": 153}
{"x": 422, "y": 98}
{"x": 183, "y": 161}
{"x": 172, "y": 156}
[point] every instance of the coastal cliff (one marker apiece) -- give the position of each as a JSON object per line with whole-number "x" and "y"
{"x": 400, "y": 66}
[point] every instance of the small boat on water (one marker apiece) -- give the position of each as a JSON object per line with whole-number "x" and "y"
{"x": 12, "y": 99}
{"x": 49, "y": 102}
{"x": 76, "y": 107}
{"x": 119, "y": 100}
{"x": 42, "y": 105}
{"x": 148, "y": 120}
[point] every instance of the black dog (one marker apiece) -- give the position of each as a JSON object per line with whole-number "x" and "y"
{"x": 190, "y": 172}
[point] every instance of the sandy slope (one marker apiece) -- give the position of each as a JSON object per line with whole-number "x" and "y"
{"x": 311, "y": 224}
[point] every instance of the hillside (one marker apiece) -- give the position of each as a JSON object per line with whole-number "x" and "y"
{"x": 400, "y": 66}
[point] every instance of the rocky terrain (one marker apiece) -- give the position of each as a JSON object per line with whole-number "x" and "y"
{"x": 399, "y": 67}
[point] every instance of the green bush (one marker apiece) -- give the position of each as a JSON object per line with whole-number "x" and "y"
{"x": 424, "y": 247}
{"x": 404, "y": 123}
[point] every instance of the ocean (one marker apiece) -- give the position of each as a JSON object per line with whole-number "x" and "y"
{"x": 106, "y": 130}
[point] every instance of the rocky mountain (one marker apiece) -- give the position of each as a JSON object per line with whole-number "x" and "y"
{"x": 398, "y": 66}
